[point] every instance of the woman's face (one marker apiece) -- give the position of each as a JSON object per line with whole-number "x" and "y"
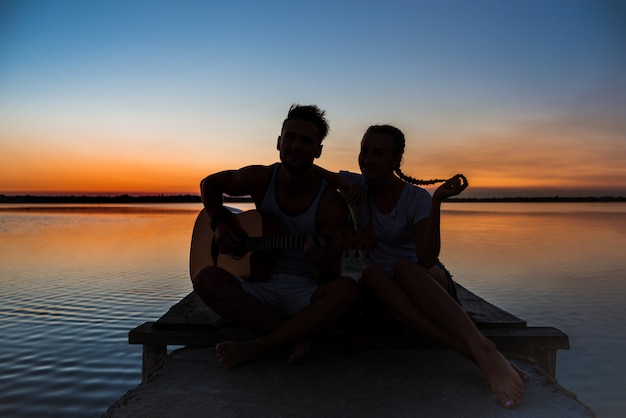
{"x": 376, "y": 158}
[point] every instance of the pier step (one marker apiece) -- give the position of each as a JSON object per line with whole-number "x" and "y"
{"x": 191, "y": 323}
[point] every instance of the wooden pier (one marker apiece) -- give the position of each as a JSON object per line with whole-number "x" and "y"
{"x": 191, "y": 323}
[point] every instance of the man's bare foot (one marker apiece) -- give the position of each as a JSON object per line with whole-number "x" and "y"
{"x": 300, "y": 352}
{"x": 231, "y": 353}
{"x": 505, "y": 380}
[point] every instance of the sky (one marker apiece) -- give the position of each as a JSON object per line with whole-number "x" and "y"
{"x": 524, "y": 97}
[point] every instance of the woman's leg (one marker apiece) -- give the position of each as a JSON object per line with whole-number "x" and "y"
{"x": 402, "y": 307}
{"x": 425, "y": 290}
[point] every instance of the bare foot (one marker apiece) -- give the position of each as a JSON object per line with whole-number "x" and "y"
{"x": 505, "y": 380}
{"x": 231, "y": 353}
{"x": 522, "y": 374}
{"x": 300, "y": 352}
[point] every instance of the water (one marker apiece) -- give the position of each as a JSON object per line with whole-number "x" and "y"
{"x": 75, "y": 279}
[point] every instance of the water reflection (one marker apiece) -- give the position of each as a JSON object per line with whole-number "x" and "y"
{"x": 532, "y": 241}
{"x": 74, "y": 281}
{"x": 89, "y": 239}
{"x": 73, "y": 285}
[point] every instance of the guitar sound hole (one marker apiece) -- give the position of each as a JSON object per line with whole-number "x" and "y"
{"x": 239, "y": 251}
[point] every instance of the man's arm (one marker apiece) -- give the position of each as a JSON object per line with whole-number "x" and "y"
{"x": 247, "y": 181}
{"x": 352, "y": 192}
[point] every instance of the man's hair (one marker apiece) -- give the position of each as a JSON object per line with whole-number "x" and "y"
{"x": 309, "y": 113}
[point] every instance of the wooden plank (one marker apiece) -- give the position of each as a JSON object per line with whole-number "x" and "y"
{"x": 191, "y": 323}
{"x": 484, "y": 314}
{"x": 190, "y": 313}
{"x": 528, "y": 339}
{"x": 148, "y": 334}
{"x": 540, "y": 343}
{"x": 514, "y": 339}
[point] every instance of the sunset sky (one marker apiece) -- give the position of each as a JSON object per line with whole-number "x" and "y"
{"x": 524, "y": 97}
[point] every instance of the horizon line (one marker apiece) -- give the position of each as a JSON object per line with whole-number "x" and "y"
{"x": 196, "y": 198}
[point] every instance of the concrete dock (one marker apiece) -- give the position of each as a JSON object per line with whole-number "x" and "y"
{"x": 372, "y": 383}
{"x": 398, "y": 377}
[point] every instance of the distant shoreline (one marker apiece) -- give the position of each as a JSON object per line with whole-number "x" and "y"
{"x": 188, "y": 198}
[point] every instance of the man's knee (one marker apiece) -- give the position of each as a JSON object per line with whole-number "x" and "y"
{"x": 208, "y": 281}
{"x": 372, "y": 274}
{"x": 348, "y": 290}
{"x": 342, "y": 291}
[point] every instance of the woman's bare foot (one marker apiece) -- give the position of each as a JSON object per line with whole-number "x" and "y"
{"x": 231, "y": 353}
{"x": 300, "y": 352}
{"x": 505, "y": 380}
{"x": 522, "y": 374}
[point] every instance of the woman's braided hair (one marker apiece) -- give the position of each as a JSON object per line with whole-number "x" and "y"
{"x": 398, "y": 150}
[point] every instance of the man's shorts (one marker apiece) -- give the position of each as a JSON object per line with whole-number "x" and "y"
{"x": 284, "y": 294}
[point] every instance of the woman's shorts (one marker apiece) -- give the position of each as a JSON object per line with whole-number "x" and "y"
{"x": 451, "y": 286}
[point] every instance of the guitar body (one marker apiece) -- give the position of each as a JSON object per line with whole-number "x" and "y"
{"x": 202, "y": 241}
{"x": 263, "y": 237}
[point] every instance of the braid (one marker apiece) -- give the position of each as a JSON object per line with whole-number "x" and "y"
{"x": 398, "y": 149}
{"x": 412, "y": 180}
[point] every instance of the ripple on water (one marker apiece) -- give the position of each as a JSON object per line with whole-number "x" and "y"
{"x": 68, "y": 338}
{"x": 73, "y": 285}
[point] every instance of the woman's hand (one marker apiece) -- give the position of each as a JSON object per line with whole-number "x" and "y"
{"x": 452, "y": 187}
{"x": 351, "y": 192}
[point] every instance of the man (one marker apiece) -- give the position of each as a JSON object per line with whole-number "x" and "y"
{"x": 303, "y": 292}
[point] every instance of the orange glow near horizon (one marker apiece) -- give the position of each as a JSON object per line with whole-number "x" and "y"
{"x": 125, "y": 176}
{"x": 136, "y": 178}
{"x": 496, "y": 165}
{"x": 110, "y": 171}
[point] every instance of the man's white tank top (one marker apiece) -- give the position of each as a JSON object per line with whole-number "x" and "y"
{"x": 292, "y": 261}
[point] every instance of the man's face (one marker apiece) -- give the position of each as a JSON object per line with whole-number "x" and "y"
{"x": 299, "y": 144}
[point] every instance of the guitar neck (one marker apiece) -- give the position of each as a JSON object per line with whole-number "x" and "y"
{"x": 278, "y": 242}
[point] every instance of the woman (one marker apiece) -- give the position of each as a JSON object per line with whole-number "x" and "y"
{"x": 403, "y": 270}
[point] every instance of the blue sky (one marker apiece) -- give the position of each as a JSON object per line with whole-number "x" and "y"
{"x": 522, "y": 96}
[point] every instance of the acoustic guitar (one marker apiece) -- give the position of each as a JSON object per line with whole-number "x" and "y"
{"x": 262, "y": 235}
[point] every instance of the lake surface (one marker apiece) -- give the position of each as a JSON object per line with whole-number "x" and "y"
{"x": 74, "y": 279}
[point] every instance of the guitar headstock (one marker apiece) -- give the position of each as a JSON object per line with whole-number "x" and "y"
{"x": 363, "y": 239}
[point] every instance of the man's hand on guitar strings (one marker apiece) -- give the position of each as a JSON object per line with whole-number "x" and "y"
{"x": 227, "y": 238}
{"x": 315, "y": 249}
